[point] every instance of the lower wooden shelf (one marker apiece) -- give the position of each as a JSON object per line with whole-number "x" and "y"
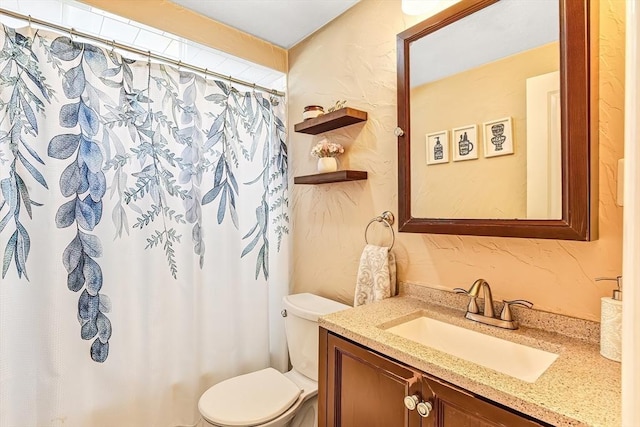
{"x": 325, "y": 178}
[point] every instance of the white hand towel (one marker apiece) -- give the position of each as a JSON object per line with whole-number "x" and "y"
{"x": 376, "y": 275}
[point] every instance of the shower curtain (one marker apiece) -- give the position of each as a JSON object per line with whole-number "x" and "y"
{"x": 143, "y": 235}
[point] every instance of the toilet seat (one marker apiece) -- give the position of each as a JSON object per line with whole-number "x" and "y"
{"x": 249, "y": 399}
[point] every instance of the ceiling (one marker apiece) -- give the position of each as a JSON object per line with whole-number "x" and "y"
{"x": 280, "y": 22}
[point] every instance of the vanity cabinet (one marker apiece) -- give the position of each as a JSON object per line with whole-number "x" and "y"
{"x": 359, "y": 387}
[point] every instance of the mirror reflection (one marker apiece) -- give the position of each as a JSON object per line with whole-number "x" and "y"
{"x": 485, "y": 114}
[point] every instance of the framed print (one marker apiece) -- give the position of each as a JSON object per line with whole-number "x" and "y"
{"x": 498, "y": 137}
{"x": 465, "y": 143}
{"x": 438, "y": 147}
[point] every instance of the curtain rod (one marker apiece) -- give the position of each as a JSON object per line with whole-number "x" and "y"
{"x": 149, "y": 54}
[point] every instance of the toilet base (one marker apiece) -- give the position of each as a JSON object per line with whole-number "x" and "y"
{"x": 307, "y": 415}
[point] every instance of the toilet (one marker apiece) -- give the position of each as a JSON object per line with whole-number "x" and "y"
{"x": 269, "y": 398}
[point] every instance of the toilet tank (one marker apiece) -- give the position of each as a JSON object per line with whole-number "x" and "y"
{"x": 301, "y": 325}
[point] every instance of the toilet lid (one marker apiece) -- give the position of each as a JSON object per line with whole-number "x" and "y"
{"x": 249, "y": 399}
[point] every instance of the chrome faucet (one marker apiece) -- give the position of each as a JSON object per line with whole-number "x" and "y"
{"x": 488, "y": 316}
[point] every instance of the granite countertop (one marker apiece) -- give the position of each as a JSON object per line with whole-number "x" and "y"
{"x": 581, "y": 388}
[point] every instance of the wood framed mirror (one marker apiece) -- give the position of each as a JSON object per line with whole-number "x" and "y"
{"x": 438, "y": 190}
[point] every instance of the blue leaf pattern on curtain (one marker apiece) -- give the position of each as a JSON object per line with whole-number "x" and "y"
{"x": 132, "y": 140}
{"x": 20, "y": 71}
{"x": 83, "y": 176}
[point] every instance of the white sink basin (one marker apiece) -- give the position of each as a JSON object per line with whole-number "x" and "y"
{"x": 517, "y": 360}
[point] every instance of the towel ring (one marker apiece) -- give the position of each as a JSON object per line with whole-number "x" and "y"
{"x": 387, "y": 219}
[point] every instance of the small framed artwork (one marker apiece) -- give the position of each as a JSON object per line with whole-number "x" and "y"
{"x": 438, "y": 147}
{"x": 465, "y": 143}
{"x": 498, "y": 137}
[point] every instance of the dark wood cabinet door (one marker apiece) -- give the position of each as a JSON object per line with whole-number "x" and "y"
{"x": 359, "y": 388}
{"x": 454, "y": 407}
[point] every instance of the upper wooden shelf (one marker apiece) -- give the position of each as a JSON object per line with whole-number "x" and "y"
{"x": 330, "y": 121}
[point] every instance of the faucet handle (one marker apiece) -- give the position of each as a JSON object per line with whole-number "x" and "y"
{"x": 506, "y": 309}
{"x": 473, "y": 304}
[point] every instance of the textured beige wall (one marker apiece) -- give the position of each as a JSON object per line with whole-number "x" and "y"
{"x": 354, "y": 58}
{"x": 438, "y": 191}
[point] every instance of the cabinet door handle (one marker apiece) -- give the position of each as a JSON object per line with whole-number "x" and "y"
{"x": 424, "y": 409}
{"x": 411, "y": 402}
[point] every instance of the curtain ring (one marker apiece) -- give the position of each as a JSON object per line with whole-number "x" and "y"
{"x": 206, "y": 73}
{"x": 71, "y": 30}
{"x": 30, "y": 28}
{"x": 149, "y": 59}
{"x": 113, "y": 46}
{"x": 179, "y": 64}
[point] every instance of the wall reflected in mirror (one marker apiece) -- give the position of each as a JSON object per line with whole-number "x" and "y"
{"x": 486, "y": 89}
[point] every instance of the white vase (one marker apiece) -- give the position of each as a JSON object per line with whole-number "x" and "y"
{"x": 327, "y": 164}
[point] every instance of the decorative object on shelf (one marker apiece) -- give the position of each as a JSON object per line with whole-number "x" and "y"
{"x": 438, "y": 147}
{"x": 498, "y": 137}
{"x": 465, "y": 143}
{"x": 327, "y": 164}
{"x": 338, "y": 105}
{"x": 312, "y": 111}
{"x": 326, "y": 152}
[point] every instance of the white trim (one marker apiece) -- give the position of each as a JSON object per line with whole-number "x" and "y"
{"x": 544, "y": 147}
{"x": 631, "y": 228}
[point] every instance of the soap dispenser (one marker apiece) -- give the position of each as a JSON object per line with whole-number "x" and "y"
{"x": 611, "y": 322}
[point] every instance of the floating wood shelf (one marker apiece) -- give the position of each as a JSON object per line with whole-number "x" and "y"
{"x": 330, "y": 121}
{"x": 337, "y": 176}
